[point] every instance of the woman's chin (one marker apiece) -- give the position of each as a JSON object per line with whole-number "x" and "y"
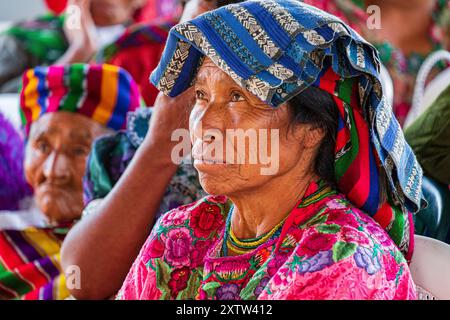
{"x": 59, "y": 211}
{"x": 213, "y": 185}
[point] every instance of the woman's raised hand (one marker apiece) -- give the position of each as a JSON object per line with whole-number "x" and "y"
{"x": 79, "y": 29}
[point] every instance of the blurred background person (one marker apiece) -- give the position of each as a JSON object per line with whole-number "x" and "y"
{"x": 61, "y": 118}
{"x": 83, "y": 32}
{"x": 408, "y": 33}
{"x": 429, "y": 136}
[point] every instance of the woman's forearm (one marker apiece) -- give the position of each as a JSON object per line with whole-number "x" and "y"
{"x": 104, "y": 244}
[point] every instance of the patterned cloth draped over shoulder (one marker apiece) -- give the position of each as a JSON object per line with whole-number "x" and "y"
{"x": 30, "y": 264}
{"x": 43, "y": 38}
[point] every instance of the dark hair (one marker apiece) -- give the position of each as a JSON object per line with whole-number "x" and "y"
{"x": 317, "y": 107}
{"x": 219, "y": 3}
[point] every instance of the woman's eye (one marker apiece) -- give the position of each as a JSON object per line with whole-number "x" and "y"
{"x": 80, "y": 151}
{"x": 43, "y": 147}
{"x": 199, "y": 95}
{"x": 236, "y": 97}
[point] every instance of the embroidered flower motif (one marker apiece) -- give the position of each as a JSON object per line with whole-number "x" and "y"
{"x": 155, "y": 249}
{"x": 205, "y": 219}
{"x": 199, "y": 252}
{"x": 275, "y": 264}
{"x": 228, "y": 292}
{"x": 261, "y": 257}
{"x": 218, "y": 199}
{"x": 232, "y": 269}
{"x": 178, "y": 247}
{"x": 391, "y": 267}
{"x": 352, "y": 235}
{"x": 380, "y": 234}
{"x": 178, "y": 280}
{"x": 281, "y": 281}
{"x": 317, "y": 262}
{"x": 296, "y": 234}
{"x": 342, "y": 218}
{"x": 337, "y": 204}
{"x": 262, "y": 284}
{"x": 174, "y": 218}
{"x": 315, "y": 243}
{"x": 365, "y": 259}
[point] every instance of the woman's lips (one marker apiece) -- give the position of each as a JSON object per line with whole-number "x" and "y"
{"x": 211, "y": 164}
{"x": 52, "y": 190}
{"x": 208, "y": 161}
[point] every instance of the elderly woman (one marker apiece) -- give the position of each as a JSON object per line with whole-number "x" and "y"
{"x": 64, "y": 109}
{"x": 333, "y": 221}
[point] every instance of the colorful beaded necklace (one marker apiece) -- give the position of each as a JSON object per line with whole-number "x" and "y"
{"x": 232, "y": 243}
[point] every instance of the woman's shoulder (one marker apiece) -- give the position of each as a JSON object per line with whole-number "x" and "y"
{"x": 345, "y": 223}
{"x": 341, "y": 247}
{"x": 182, "y": 236}
{"x": 345, "y": 241}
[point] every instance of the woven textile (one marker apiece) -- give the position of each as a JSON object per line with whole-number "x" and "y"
{"x": 104, "y": 93}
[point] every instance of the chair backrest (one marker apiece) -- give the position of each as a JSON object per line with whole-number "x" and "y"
{"x": 435, "y": 88}
{"x": 418, "y": 106}
{"x": 430, "y": 266}
{"x": 388, "y": 84}
{"x": 434, "y": 220}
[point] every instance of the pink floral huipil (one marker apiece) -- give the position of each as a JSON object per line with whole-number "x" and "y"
{"x": 327, "y": 249}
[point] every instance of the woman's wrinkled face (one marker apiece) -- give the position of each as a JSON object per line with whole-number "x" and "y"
{"x": 224, "y": 113}
{"x": 55, "y": 161}
{"x": 112, "y": 12}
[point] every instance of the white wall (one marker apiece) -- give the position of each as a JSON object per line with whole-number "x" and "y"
{"x": 9, "y": 107}
{"x": 16, "y": 10}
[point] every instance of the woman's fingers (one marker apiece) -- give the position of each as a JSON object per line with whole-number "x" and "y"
{"x": 79, "y": 28}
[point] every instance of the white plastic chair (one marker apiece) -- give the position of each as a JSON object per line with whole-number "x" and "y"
{"x": 388, "y": 85}
{"x": 430, "y": 268}
{"x": 422, "y": 99}
{"x": 9, "y": 107}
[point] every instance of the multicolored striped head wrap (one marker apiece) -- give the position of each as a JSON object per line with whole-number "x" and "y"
{"x": 104, "y": 93}
{"x": 276, "y": 49}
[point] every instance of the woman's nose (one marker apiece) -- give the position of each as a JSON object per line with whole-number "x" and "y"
{"x": 56, "y": 168}
{"x": 210, "y": 120}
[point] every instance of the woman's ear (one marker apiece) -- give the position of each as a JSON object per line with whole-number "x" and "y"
{"x": 313, "y": 136}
